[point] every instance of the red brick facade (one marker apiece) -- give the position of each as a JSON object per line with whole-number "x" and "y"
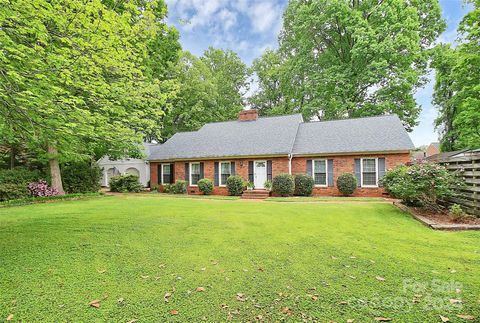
{"x": 341, "y": 164}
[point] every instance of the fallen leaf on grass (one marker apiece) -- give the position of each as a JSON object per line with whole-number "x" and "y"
{"x": 161, "y": 266}
{"x": 314, "y": 297}
{"x": 200, "y": 289}
{"x": 173, "y": 312}
{"x": 10, "y": 317}
{"x": 444, "y": 318}
{"x": 144, "y": 277}
{"x": 258, "y": 317}
{"x": 350, "y": 320}
{"x": 455, "y": 301}
{"x": 132, "y": 321}
{"x": 383, "y": 319}
{"x": 380, "y": 278}
{"x": 203, "y": 268}
{"x": 286, "y": 310}
{"x": 458, "y": 290}
{"x": 241, "y": 297}
{"x": 466, "y": 317}
{"x": 167, "y": 296}
{"x": 120, "y": 300}
{"x": 95, "y": 303}
{"x": 343, "y": 303}
{"x": 101, "y": 271}
{"x": 224, "y": 306}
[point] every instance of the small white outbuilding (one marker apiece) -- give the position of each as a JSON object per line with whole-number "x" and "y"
{"x": 139, "y": 167}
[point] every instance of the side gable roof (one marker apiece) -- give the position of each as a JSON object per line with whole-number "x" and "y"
{"x": 369, "y": 134}
{"x": 264, "y": 136}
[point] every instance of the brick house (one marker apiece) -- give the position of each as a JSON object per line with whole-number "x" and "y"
{"x": 258, "y": 149}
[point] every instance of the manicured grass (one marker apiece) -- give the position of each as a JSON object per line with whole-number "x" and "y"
{"x": 128, "y": 251}
{"x": 324, "y": 199}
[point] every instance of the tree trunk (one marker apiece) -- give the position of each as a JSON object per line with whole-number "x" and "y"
{"x": 55, "y": 169}
{"x": 12, "y": 156}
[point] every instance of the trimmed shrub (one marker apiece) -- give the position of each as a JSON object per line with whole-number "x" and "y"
{"x": 303, "y": 185}
{"x": 125, "y": 183}
{"x": 421, "y": 184}
{"x": 268, "y": 185}
{"x": 283, "y": 185}
{"x": 10, "y": 191}
{"x": 81, "y": 177}
{"x": 20, "y": 175}
{"x": 205, "y": 186}
{"x": 41, "y": 188}
{"x": 180, "y": 187}
{"x": 235, "y": 185}
{"x": 347, "y": 183}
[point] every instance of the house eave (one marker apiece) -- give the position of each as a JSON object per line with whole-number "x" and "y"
{"x": 218, "y": 158}
{"x": 354, "y": 153}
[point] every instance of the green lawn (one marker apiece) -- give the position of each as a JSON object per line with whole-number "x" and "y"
{"x": 128, "y": 251}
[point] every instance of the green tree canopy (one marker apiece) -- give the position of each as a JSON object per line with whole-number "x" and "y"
{"x": 81, "y": 78}
{"x": 211, "y": 89}
{"x": 457, "y": 86}
{"x": 339, "y": 58}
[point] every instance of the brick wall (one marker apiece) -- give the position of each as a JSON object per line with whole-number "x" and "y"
{"x": 341, "y": 164}
{"x": 346, "y": 164}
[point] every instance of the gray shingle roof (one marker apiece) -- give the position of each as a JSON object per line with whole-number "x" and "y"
{"x": 265, "y": 136}
{"x": 382, "y": 133}
{"x": 286, "y": 134}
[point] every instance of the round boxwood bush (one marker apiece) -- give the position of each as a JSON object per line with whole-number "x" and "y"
{"x": 235, "y": 185}
{"x": 346, "y": 183}
{"x": 205, "y": 186}
{"x": 283, "y": 185}
{"x": 180, "y": 187}
{"x": 303, "y": 185}
{"x": 125, "y": 183}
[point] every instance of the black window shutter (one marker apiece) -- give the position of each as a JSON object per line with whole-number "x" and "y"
{"x": 232, "y": 168}
{"x": 309, "y": 168}
{"x": 187, "y": 174}
{"x": 201, "y": 170}
{"x": 172, "y": 173}
{"x": 381, "y": 170}
{"x": 330, "y": 172}
{"x": 215, "y": 179}
{"x": 269, "y": 170}
{"x": 159, "y": 174}
{"x": 250, "y": 171}
{"x": 357, "y": 172}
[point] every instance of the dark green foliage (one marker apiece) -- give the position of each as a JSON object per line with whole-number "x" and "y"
{"x": 346, "y": 183}
{"x": 20, "y": 175}
{"x": 180, "y": 187}
{"x": 11, "y": 191}
{"x": 235, "y": 185}
{"x": 81, "y": 178}
{"x": 283, "y": 185}
{"x": 125, "y": 183}
{"x": 43, "y": 199}
{"x": 303, "y": 185}
{"x": 421, "y": 184}
{"x": 205, "y": 186}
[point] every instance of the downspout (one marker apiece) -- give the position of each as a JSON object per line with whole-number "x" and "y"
{"x": 290, "y": 156}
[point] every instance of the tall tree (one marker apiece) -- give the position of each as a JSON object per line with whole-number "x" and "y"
{"x": 77, "y": 77}
{"x": 211, "y": 89}
{"x": 457, "y": 87}
{"x": 355, "y": 58}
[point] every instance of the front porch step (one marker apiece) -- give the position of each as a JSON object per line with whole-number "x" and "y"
{"x": 255, "y": 194}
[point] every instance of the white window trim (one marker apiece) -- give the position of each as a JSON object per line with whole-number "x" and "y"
{"x": 220, "y": 171}
{"x": 163, "y": 172}
{"x": 326, "y": 172}
{"x": 190, "y": 173}
{"x": 376, "y": 172}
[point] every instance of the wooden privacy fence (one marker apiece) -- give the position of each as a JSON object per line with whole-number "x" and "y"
{"x": 467, "y": 164}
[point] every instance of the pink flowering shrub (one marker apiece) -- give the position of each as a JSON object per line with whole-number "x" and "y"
{"x": 41, "y": 188}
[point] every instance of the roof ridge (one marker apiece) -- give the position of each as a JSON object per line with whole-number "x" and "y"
{"x": 356, "y": 118}
{"x": 262, "y": 117}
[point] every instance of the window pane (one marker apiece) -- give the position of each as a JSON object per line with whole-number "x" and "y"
{"x": 166, "y": 178}
{"x": 320, "y": 179}
{"x": 368, "y": 165}
{"x": 195, "y": 179}
{"x": 369, "y": 178}
{"x": 166, "y": 169}
{"x": 320, "y": 166}
{"x": 225, "y": 168}
{"x": 195, "y": 169}
{"x": 223, "y": 179}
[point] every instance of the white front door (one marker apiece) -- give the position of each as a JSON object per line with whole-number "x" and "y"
{"x": 260, "y": 173}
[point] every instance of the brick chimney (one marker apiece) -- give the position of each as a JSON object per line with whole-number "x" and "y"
{"x": 248, "y": 115}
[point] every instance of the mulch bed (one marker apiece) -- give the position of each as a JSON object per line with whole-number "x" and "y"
{"x": 439, "y": 221}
